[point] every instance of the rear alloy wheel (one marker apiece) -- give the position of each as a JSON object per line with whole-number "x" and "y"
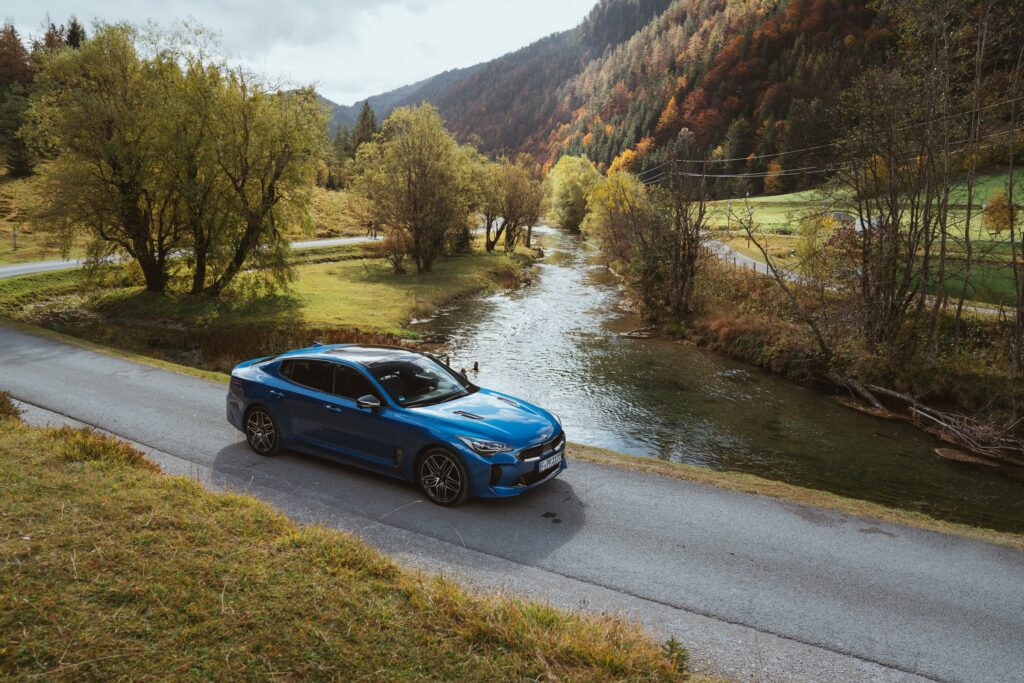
{"x": 261, "y": 431}
{"x": 443, "y": 478}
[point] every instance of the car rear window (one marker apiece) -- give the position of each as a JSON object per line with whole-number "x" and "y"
{"x": 315, "y": 374}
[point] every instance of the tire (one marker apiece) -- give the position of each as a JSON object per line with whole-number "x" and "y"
{"x": 443, "y": 478}
{"x": 262, "y": 432}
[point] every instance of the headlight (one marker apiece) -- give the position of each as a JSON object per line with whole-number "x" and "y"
{"x": 485, "y": 447}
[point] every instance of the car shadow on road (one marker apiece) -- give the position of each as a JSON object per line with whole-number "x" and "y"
{"x": 525, "y": 529}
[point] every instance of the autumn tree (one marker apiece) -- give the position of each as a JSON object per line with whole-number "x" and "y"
{"x": 418, "y": 181}
{"x": 568, "y": 184}
{"x": 513, "y": 202}
{"x": 998, "y": 215}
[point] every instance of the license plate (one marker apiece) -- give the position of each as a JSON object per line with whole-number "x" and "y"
{"x": 548, "y": 463}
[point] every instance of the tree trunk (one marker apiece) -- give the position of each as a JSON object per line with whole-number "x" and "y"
{"x": 199, "y": 275}
{"x": 153, "y": 273}
{"x": 492, "y": 241}
{"x": 242, "y": 251}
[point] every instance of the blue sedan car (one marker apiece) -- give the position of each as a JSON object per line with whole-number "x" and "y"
{"x": 400, "y": 413}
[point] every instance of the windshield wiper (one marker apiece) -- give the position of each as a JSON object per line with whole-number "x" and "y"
{"x": 434, "y": 401}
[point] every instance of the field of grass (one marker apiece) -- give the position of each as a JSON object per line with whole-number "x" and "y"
{"x": 783, "y": 212}
{"x": 16, "y": 198}
{"x": 112, "y": 570}
{"x": 341, "y": 294}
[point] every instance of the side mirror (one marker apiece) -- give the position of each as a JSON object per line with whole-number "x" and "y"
{"x": 369, "y": 402}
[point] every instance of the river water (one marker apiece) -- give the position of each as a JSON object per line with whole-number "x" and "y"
{"x": 556, "y": 342}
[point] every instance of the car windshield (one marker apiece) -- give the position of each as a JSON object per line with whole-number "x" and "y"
{"x": 419, "y": 381}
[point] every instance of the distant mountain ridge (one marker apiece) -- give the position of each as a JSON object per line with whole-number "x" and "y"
{"x": 422, "y": 91}
{"x": 511, "y": 98}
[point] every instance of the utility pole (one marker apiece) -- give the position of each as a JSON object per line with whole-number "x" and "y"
{"x": 14, "y": 237}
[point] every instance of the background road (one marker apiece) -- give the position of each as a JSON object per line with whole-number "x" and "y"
{"x": 758, "y": 589}
{"x": 16, "y": 269}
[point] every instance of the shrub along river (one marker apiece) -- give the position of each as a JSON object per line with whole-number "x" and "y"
{"x": 556, "y": 342}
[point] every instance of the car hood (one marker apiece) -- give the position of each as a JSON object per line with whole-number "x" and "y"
{"x": 490, "y": 415}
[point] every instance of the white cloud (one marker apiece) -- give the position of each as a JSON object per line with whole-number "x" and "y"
{"x": 349, "y": 49}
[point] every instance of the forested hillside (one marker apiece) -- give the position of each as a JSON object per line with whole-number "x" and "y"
{"x": 746, "y": 77}
{"x": 514, "y": 102}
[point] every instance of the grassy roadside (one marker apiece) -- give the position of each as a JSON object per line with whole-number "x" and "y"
{"x": 749, "y": 483}
{"x": 113, "y": 570}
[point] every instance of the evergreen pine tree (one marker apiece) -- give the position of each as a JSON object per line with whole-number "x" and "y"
{"x": 18, "y": 157}
{"x": 366, "y": 126}
{"x": 75, "y": 33}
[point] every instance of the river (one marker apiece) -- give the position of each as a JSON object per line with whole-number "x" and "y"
{"x": 556, "y": 342}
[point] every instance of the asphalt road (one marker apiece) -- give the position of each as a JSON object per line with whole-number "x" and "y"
{"x": 758, "y": 589}
{"x": 16, "y": 269}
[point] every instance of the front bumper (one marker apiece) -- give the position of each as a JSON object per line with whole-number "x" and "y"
{"x": 505, "y": 476}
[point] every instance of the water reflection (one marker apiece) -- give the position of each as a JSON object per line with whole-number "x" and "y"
{"x": 557, "y": 343}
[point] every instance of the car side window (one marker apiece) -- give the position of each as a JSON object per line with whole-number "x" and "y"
{"x": 350, "y": 383}
{"x": 315, "y": 374}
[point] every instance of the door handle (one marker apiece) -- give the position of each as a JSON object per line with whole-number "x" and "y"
{"x": 276, "y": 394}
{"x": 333, "y": 409}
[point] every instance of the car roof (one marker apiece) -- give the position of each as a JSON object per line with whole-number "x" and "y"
{"x": 365, "y": 355}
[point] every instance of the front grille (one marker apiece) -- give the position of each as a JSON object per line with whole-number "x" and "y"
{"x": 540, "y": 449}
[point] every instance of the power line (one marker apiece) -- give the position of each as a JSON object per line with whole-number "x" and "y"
{"x": 829, "y": 144}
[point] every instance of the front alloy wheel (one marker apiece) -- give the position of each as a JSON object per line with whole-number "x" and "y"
{"x": 443, "y": 478}
{"x": 261, "y": 431}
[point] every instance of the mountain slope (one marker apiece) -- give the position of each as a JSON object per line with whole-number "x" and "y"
{"x": 511, "y": 102}
{"x": 743, "y": 77}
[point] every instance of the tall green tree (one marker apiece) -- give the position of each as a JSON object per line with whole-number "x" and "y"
{"x": 15, "y": 77}
{"x": 19, "y": 158}
{"x": 168, "y": 155}
{"x": 268, "y": 145}
{"x": 76, "y": 34}
{"x": 418, "y": 182}
{"x": 103, "y": 105}
{"x": 568, "y": 184}
{"x": 366, "y": 126}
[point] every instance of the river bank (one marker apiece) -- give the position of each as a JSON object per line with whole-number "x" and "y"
{"x": 559, "y": 343}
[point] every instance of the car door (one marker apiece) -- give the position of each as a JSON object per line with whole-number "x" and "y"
{"x": 359, "y": 432}
{"x": 302, "y": 404}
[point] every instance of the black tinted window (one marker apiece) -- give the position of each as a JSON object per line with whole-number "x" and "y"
{"x": 351, "y": 383}
{"x": 315, "y": 374}
{"x": 418, "y": 381}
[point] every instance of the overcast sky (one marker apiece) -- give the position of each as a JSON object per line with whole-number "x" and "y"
{"x": 349, "y": 49}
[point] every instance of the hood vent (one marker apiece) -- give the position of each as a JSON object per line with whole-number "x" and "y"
{"x": 508, "y": 401}
{"x": 471, "y": 416}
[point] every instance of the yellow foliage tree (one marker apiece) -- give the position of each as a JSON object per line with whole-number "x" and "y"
{"x": 669, "y": 116}
{"x": 999, "y": 215}
{"x": 773, "y": 181}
